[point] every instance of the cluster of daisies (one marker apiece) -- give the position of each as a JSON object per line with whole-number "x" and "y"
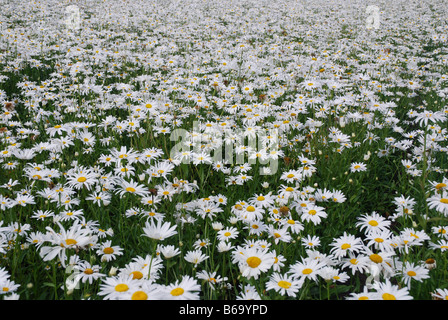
{"x": 214, "y": 119}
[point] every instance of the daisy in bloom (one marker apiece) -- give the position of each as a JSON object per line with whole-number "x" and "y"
{"x": 227, "y": 234}
{"x": 81, "y": 178}
{"x": 117, "y": 287}
{"x": 313, "y": 213}
{"x": 150, "y": 266}
{"x": 211, "y": 278}
{"x": 169, "y": 251}
{"x": 364, "y": 295}
{"x": 87, "y": 272}
{"x": 383, "y": 260}
{"x": 278, "y": 235}
{"x": 388, "y": 291}
{"x": 187, "y": 289}
{"x": 132, "y": 187}
{"x": 441, "y": 231}
{"x": 249, "y": 292}
{"x": 107, "y": 252}
{"x": 439, "y": 202}
{"x": 158, "y": 230}
{"x": 145, "y": 290}
{"x": 441, "y": 245}
{"x": 293, "y": 226}
{"x": 371, "y": 222}
{"x": 284, "y": 284}
{"x": 261, "y": 200}
{"x": 358, "y": 167}
{"x": 250, "y": 213}
{"x": 439, "y": 186}
{"x": 253, "y": 261}
{"x": 74, "y": 238}
{"x": 380, "y": 240}
{"x": 310, "y": 242}
{"x": 410, "y": 271}
{"x": 307, "y": 269}
{"x": 195, "y": 257}
{"x": 333, "y": 275}
{"x": 356, "y": 263}
{"x": 345, "y": 244}
{"x": 440, "y": 294}
{"x": 8, "y": 286}
{"x": 255, "y": 227}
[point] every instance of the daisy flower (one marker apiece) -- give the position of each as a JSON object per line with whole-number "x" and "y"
{"x": 81, "y": 178}
{"x": 227, "y": 234}
{"x": 371, "y": 222}
{"x": 310, "y": 241}
{"x": 211, "y": 278}
{"x": 117, "y": 287}
{"x": 307, "y": 269}
{"x": 380, "y": 240}
{"x": 187, "y": 289}
{"x": 158, "y": 230}
{"x": 253, "y": 261}
{"x": 132, "y": 187}
{"x": 87, "y": 272}
{"x": 284, "y": 284}
{"x": 410, "y": 271}
{"x": 107, "y": 252}
{"x": 345, "y": 244}
{"x": 440, "y": 294}
{"x": 249, "y": 292}
{"x": 313, "y": 213}
{"x": 439, "y": 202}
{"x": 388, "y": 291}
{"x": 195, "y": 257}
{"x": 356, "y": 263}
{"x": 146, "y": 290}
{"x": 169, "y": 251}
{"x": 358, "y": 167}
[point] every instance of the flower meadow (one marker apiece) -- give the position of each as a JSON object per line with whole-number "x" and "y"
{"x": 223, "y": 150}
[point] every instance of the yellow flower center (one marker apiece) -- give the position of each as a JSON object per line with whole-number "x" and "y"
{"x": 388, "y": 296}
{"x": 71, "y": 242}
{"x": 444, "y": 200}
{"x": 227, "y": 234}
{"x": 136, "y": 275}
{"x": 253, "y": 262}
{"x": 376, "y": 258}
{"x": 345, "y": 246}
{"x": 379, "y": 240}
{"x": 250, "y": 208}
{"x": 373, "y": 223}
{"x": 284, "y": 284}
{"x": 312, "y": 212}
{"x": 440, "y": 186}
{"x": 88, "y": 271}
{"x": 177, "y": 292}
{"x": 307, "y": 271}
{"x": 108, "y": 250}
{"x": 260, "y": 198}
{"x": 412, "y": 273}
{"x": 130, "y": 189}
{"x": 122, "y": 287}
{"x": 82, "y": 179}
{"x": 139, "y": 295}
